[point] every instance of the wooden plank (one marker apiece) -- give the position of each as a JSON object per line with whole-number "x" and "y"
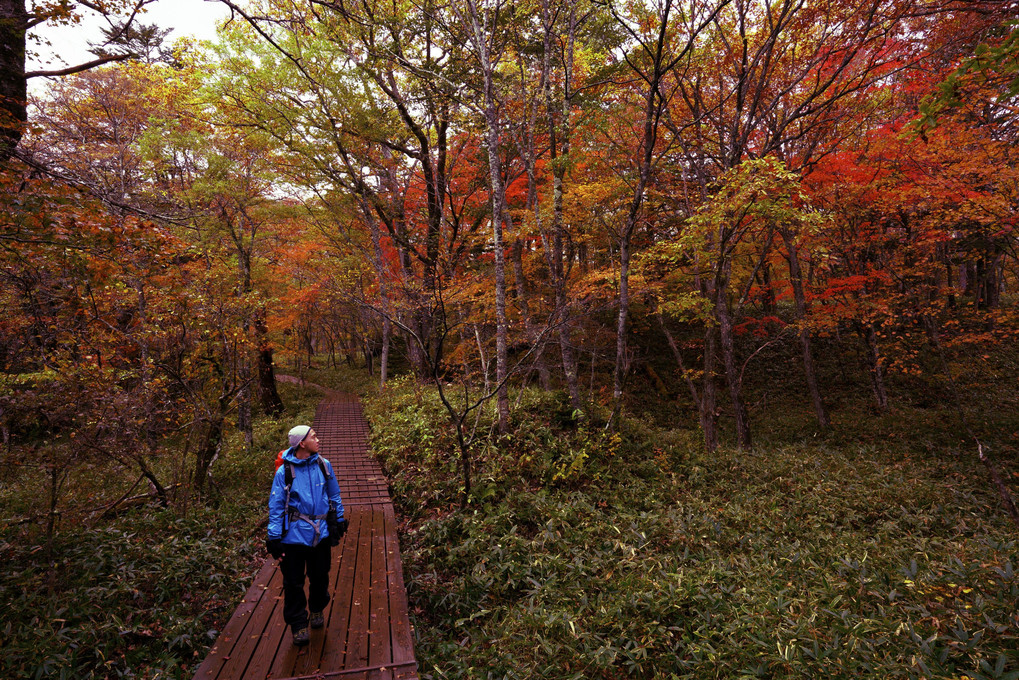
{"x": 399, "y": 615}
{"x": 334, "y": 654}
{"x": 273, "y": 642}
{"x": 286, "y": 658}
{"x": 380, "y": 649}
{"x": 221, "y": 650}
{"x": 357, "y": 638}
{"x": 308, "y": 662}
{"x": 367, "y": 633}
{"x": 311, "y": 662}
{"x": 289, "y": 657}
{"x": 241, "y": 656}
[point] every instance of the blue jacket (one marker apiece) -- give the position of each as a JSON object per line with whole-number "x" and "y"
{"x": 309, "y": 494}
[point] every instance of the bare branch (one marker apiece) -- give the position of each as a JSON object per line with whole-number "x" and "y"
{"x": 70, "y": 70}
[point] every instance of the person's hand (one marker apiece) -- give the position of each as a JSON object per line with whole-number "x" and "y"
{"x": 336, "y": 531}
{"x": 275, "y": 547}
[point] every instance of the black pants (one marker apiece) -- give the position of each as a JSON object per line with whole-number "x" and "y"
{"x": 295, "y": 560}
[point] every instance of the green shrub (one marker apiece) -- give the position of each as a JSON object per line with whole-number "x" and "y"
{"x": 634, "y": 554}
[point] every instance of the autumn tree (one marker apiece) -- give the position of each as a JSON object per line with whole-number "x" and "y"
{"x": 17, "y": 17}
{"x": 787, "y": 79}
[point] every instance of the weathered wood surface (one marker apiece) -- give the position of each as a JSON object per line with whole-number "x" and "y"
{"x": 367, "y": 635}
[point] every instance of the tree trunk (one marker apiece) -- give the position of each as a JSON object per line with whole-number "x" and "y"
{"x": 272, "y": 403}
{"x": 949, "y": 282}
{"x": 499, "y": 216}
{"x": 244, "y": 403}
{"x": 13, "y": 87}
{"x": 559, "y": 139}
{"x": 796, "y": 279}
{"x": 705, "y": 411}
{"x": 501, "y": 323}
{"x": 416, "y": 353}
{"x": 207, "y": 452}
{"x": 57, "y": 475}
{"x": 877, "y": 381}
{"x": 369, "y": 357}
{"x": 981, "y": 284}
{"x": 709, "y": 394}
{"x": 653, "y": 105}
{"x": 768, "y": 296}
{"x": 387, "y": 335}
{"x": 733, "y": 375}
{"x": 533, "y": 335}
{"x": 622, "y": 360}
{"x": 157, "y": 487}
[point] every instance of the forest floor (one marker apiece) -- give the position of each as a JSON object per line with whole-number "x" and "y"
{"x": 878, "y": 549}
{"x": 139, "y": 593}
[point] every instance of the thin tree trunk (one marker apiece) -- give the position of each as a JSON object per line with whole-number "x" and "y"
{"x": 705, "y": 412}
{"x": 769, "y": 304}
{"x": 733, "y": 375}
{"x": 272, "y": 403}
{"x": 622, "y": 359}
{"x": 533, "y": 335}
{"x": 387, "y": 334}
{"x": 244, "y": 410}
{"x": 709, "y": 394}
{"x": 560, "y": 139}
{"x": 796, "y": 279}
{"x": 480, "y": 36}
{"x": 207, "y": 452}
{"x": 501, "y": 322}
{"x": 369, "y": 357}
{"x": 56, "y": 481}
{"x": 877, "y": 381}
{"x": 157, "y": 487}
{"x": 653, "y": 105}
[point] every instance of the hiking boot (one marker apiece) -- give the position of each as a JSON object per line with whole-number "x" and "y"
{"x": 301, "y": 637}
{"x": 317, "y": 619}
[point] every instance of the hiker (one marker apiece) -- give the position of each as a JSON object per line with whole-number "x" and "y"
{"x": 305, "y": 520}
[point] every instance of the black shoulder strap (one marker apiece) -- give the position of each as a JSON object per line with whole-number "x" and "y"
{"x": 288, "y": 473}
{"x": 288, "y": 482}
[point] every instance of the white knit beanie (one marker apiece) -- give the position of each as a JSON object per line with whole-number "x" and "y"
{"x": 298, "y": 434}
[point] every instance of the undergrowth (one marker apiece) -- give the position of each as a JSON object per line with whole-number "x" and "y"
{"x": 141, "y": 595}
{"x": 581, "y": 554}
{"x": 875, "y": 550}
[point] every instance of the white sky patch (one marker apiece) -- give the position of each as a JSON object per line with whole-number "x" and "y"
{"x": 68, "y": 45}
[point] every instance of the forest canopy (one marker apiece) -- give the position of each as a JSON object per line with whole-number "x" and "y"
{"x": 504, "y": 192}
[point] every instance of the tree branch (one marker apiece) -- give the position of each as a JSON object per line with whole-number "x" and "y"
{"x": 79, "y": 68}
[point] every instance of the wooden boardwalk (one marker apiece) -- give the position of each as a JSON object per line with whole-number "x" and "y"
{"x": 367, "y": 635}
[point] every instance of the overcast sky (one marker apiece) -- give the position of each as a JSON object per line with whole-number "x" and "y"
{"x": 69, "y": 44}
